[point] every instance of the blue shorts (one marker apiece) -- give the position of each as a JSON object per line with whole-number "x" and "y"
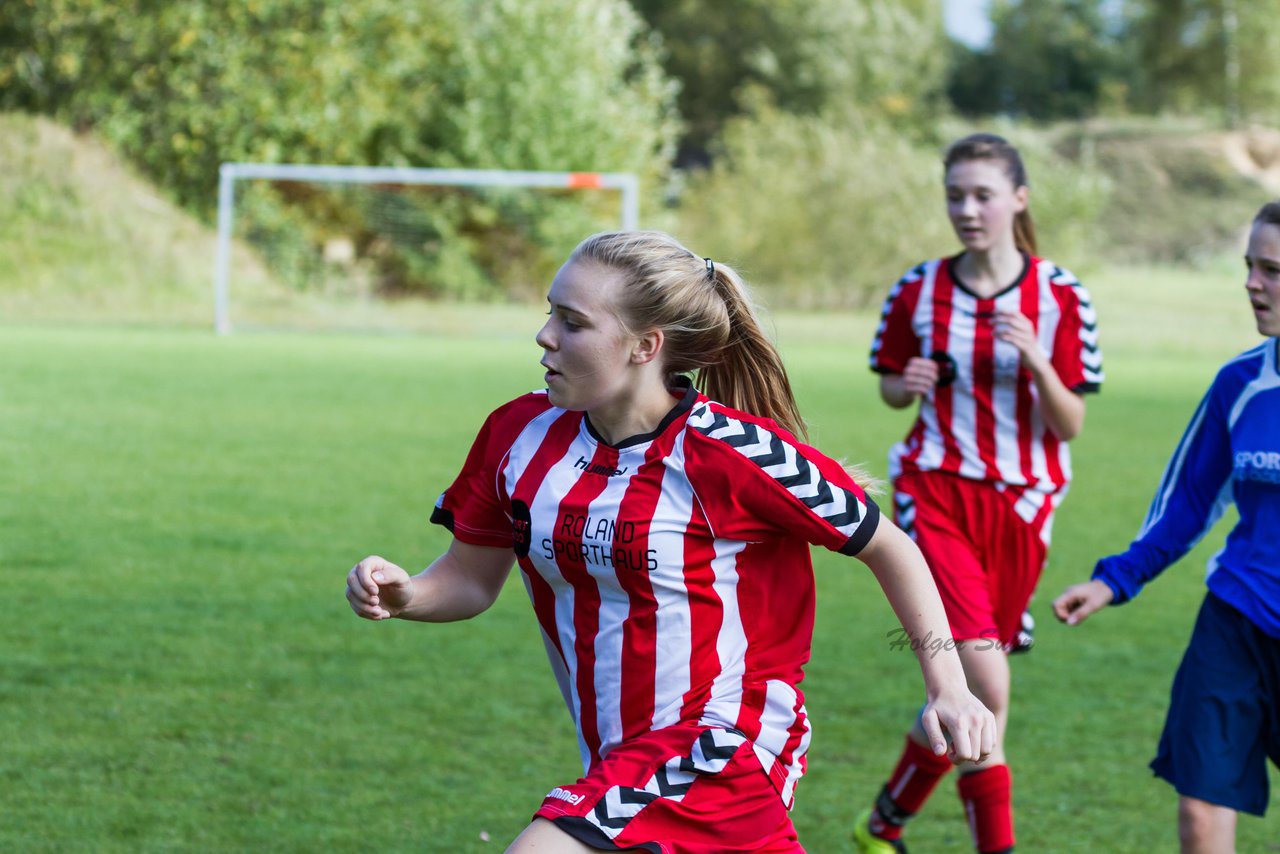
{"x": 1224, "y": 713}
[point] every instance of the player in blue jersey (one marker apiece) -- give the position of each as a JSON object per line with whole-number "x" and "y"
{"x": 1224, "y": 713}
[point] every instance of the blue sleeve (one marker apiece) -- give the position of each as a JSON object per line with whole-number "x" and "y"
{"x": 1193, "y": 494}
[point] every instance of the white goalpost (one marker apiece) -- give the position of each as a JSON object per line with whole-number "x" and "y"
{"x": 230, "y": 173}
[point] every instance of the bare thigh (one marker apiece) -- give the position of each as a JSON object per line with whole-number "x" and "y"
{"x": 543, "y": 837}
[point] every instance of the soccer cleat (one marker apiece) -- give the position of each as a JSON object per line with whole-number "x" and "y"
{"x": 868, "y": 843}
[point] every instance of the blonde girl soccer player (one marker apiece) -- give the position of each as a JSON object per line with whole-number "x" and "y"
{"x": 1224, "y": 711}
{"x": 998, "y": 347}
{"x": 662, "y": 531}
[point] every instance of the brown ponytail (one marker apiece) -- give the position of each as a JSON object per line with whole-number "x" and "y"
{"x": 1024, "y": 232}
{"x": 989, "y": 146}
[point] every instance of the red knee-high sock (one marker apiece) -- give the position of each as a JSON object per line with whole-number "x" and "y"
{"x": 912, "y": 781}
{"x": 987, "y": 799}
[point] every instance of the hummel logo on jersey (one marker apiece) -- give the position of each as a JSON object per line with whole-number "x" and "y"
{"x": 597, "y": 468}
{"x": 565, "y": 795}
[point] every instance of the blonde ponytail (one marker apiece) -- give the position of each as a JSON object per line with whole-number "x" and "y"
{"x": 749, "y": 373}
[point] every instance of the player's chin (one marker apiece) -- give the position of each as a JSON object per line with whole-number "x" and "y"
{"x": 568, "y": 402}
{"x": 558, "y": 395}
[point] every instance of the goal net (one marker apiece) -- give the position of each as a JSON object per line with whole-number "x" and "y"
{"x": 331, "y": 239}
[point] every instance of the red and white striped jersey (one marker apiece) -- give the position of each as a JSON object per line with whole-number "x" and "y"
{"x": 985, "y": 424}
{"x": 670, "y": 574}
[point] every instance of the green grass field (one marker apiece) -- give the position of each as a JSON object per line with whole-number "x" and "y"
{"x": 180, "y": 671}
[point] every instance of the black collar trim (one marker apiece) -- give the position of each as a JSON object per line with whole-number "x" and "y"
{"x": 959, "y": 283}
{"x": 685, "y": 403}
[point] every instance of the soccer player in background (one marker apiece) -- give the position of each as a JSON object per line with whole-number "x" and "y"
{"x": 998, "y": 346}
{"x": 663, "y": 535}
{"x": 1224, "y": 711}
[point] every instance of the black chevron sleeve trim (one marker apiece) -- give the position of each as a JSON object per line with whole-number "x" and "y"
{"x": 750, "y": 436}
{"x": 803, "y": 477}
{"x": 862, "y": 536}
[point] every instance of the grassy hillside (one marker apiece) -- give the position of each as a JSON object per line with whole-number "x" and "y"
{"x": 82, "y": 238}
{"x": 1180, "y": 192}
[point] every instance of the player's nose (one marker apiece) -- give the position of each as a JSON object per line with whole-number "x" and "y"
{"x": 544, "y": 338}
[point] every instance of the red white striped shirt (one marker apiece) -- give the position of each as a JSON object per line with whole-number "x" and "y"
{"x": 670, "y": 574}
{"x": 986, "y": 424}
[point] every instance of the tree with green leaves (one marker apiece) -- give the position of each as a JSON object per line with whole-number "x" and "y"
{"x": 1219, "y": 56}
{"x": 1048, "y": 59}
{"x": 806, "y": 58}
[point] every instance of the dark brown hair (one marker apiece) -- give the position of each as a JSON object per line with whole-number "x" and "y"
{"x": 989, "y": 146}
{"x": 1268, "y": 214}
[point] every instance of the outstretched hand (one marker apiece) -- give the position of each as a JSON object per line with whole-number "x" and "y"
{"x": 377, "y": 589}
{"x": 962, "y": 722}
{"x": 1078, "y": 601}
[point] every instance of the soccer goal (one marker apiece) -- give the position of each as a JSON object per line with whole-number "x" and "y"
{"x": 334, "y": 217}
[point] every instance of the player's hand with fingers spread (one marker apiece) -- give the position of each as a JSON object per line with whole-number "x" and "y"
{"x": 962, "y": 721}
{"x": 919, "y": 376}
{"x": 377, "y": 589}
{"x": 1078, "y": 601}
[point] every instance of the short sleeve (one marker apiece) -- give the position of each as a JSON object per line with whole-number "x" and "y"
{"x": 1076, "y": 355}
{"x": 755, "y": 481}
{"x": 895, "y": 342}
{"x": 473, "y": 508}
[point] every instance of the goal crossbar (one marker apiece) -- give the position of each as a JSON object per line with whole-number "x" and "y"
{"x": 229, "y": 173}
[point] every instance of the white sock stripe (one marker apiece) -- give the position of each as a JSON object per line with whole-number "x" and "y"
{"x": 902, "y": 784}
{"x": 971, "y": 816}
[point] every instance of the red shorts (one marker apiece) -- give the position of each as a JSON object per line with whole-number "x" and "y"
{"x": 679, "y": 790}
{"x": 985, "y": 558}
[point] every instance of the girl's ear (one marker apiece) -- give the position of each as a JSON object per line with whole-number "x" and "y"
{"x": 1022, "y": 194}
{"x": 647, "y": 347}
